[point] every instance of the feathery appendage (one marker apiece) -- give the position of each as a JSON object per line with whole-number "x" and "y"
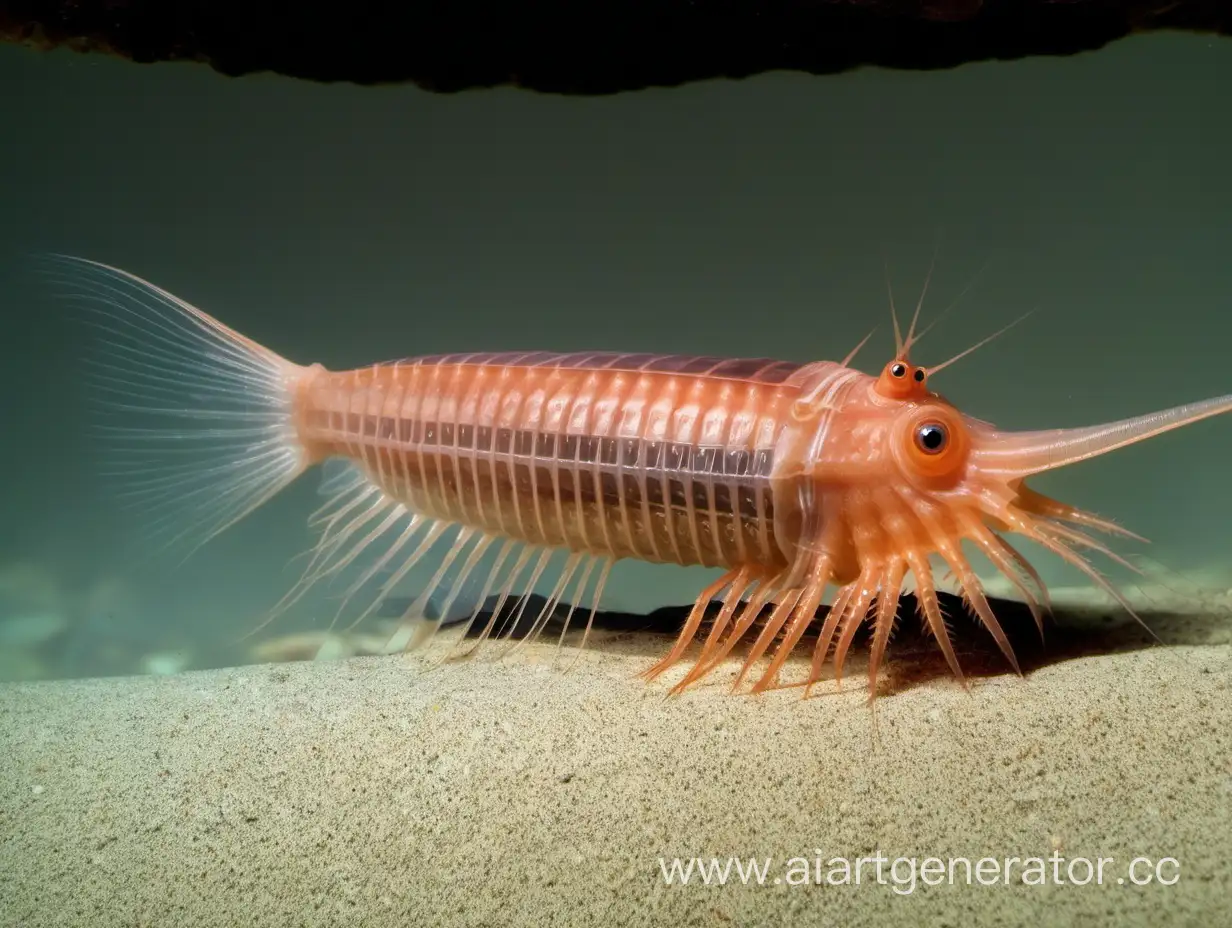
{"x": 783, "y": 615}
{"x": 197, "y": 418}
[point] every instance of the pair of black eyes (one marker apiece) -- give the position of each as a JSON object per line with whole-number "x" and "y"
{"x": 931, "y": 437}
{"x": 900, "y": 370}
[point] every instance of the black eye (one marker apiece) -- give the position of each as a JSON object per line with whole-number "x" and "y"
{"x": 919, "y": 375}
{"x": 898, "y": 370}
{"x": 931, "y": 437}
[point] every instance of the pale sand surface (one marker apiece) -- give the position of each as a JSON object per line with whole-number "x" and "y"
{"x": 363, "y": 792}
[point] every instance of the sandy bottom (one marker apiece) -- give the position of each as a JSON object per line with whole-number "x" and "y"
{"x": 368, "y": 792}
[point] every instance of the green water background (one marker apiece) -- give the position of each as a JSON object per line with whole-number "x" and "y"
{"x": 347, "y": 224}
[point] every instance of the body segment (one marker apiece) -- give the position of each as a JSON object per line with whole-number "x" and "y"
{"x": 664, "y": 459}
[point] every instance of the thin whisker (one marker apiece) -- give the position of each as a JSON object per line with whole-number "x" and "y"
{"x": 851, "y": 355}
{"x": 980, "y": 344}
{"x": 912, "y": 338}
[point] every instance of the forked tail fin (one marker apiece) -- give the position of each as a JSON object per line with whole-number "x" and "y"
{"x": 201, "y": 419}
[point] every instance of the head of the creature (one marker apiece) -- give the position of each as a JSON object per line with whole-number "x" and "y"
{"x": 894, "y": 474}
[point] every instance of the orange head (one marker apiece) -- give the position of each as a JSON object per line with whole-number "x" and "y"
{"x": 902, "y": 380}
{"x": 888, "y": 474}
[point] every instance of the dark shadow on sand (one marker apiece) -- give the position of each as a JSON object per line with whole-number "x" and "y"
{"x": 913, "y": 657}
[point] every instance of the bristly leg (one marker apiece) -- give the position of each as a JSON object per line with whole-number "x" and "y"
{"x": 1041, "y": 505}
{"x": 572, "y": 561}
{"x": 821, "y": 650}
{"x": 973, "y": 595}
{"x": 748, "y": 608}
{"x": 878, "y": 589}
{"x": 502, "y": 555}
{"x": 604, "y": 572}
{"x": 737, "y": 580}
{"x": 1012, "y": 566}
{"x": 508, "y": 589}
{"x": 802, "y": 616}
{"x": 887, "y": 616}
{"x": 849, "y": 610}
{"x": 930, "y": 607}
{"x": 778, "y": 615}
{"x": 715, "y": 651}
{"x": 1040, "y": 518}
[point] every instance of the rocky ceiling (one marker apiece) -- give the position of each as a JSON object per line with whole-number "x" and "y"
{"x": 588, "y": 46}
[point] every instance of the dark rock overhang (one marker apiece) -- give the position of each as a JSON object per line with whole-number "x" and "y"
{"x": 588, "y": 46}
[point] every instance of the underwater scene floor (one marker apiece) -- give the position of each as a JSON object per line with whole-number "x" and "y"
{"x": 543, "y": 790}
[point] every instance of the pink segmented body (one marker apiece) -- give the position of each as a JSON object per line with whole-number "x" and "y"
{"x": 791, "y": 478}
{"x": 661, "y": 458}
